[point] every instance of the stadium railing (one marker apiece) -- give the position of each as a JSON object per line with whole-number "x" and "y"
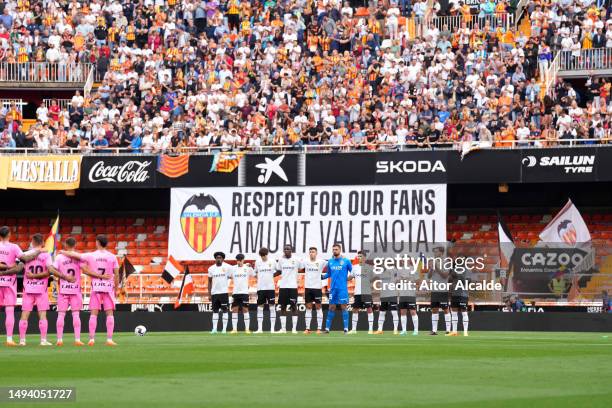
{"x": 496, "y": 20}
{"x": 44, "y": 72}
{"x": 63, "y": 103}
{"x": 19, "y": 103}
{"x": 520, "y": 9}
{"x": 589, "y": 60}
{"x": 460, "y": 145}
{"x": 550, "y": 76}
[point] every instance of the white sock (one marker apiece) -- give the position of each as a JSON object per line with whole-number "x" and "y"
{"x": 355, "y": 320}
{"x": 9, "y": 338}
{"x": 395, "y": 319}
{"x": 319, "y": 319}
{"x": 260, "y": 317}
{"x": 225, "y": 318}
{"x": 381, "y": 320}
{"x": 370, "y": 321}
{"x": 235, "y": 321}
{"x": 404, "y": 319}
{"x": 415, "y": 322}
{"x": 447, "y": 321}
{"x": 465, "y": 319}
{"x": 294, "y": 322}
{"x": 215, "y": 322}
{"x": 308, "y": 317}
{"x": 247, "y": 320}
{"x": 434, "y": 321}
{"x": 454, "y": 320}
{"x": 284, "y": 322}
{"x": 272, "y": 317}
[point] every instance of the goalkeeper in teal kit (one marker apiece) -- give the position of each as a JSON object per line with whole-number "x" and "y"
{"x": 338, "y": 268}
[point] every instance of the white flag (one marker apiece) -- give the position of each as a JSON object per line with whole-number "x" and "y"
{"x": 506, "y": 244}
{"x": 567, "y": 227}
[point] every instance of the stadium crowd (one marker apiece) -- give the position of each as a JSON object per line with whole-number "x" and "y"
{"x": 190, "y": 74}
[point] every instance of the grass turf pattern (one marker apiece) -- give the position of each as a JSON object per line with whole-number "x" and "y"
{"x": 487, "y": 369}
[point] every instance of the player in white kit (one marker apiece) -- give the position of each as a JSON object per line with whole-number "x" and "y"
{"x": 313, "y": 288}
{"x": 218, "y": 290}
{"x": 288, "y": 267}
{"x": 362, "y": 274}
{"x": 265, "y": 270}
{"x": 240, "y": 274}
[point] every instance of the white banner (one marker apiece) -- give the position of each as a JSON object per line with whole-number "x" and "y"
{"x": 205, "y": 220}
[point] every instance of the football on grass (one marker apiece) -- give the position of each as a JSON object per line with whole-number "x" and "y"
{"x": 140, "y": 330}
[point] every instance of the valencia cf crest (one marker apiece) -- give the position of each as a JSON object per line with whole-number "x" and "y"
{"x": 567, "y": 232}
{"x": 200, "y": 221}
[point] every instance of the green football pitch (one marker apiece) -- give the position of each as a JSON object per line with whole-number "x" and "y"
{"x": 487, "y": 369}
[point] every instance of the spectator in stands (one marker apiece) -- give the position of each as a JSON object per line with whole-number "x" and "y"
{"x": 308, "y": 73}
{"x": 515, "y": 304}
{"x": 606, "y": 302}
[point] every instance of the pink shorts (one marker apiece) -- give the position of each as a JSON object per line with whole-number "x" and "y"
{"x": 75, "y": 301}
{"x": 8, "y": 296}
{"x": 98, "y": 299}
{"x": 40, "y": 300}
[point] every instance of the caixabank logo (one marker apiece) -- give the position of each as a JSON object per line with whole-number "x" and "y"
{"x": 200, "y": 221}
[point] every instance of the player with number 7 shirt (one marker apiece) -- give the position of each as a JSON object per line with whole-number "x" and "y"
{"x": 103, "y": 267}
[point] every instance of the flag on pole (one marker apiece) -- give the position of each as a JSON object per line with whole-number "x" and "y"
{"x": 172, "y": 270}
{"x": 567, "y": 227}
{"x": 506, "y": 243}
{"x": 187, "y": 288}
{"x": 574, "y": 293}
{"x": 126, "y": 269}
{"x": 53, "y": 237}
{"x": 506, "y": 249}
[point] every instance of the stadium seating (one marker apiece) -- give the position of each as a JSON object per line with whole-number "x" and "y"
{"x": 145, "y": 242}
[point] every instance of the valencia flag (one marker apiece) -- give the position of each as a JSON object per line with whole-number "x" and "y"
{"x": 126, "y": 269}
{"x": 173, "y": 166}
{"x": 187, "y": 288}
{"x": 225, "y": 162}
{"x": 52, "y": 238}
{"x": 172, "y": 270}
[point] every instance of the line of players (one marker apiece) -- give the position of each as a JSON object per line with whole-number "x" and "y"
{"x": 288, "y": 266}
{"x": 37, "y": 265}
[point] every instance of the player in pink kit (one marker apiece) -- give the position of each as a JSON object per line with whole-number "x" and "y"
{"x": 69, "y": 293}
{"x": 102, "y": 265}
{"x": 9, "y": 254}
{"x": 35, "y": 282}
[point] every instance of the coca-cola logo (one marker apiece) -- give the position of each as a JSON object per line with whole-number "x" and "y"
{"x": 132, "y": 171}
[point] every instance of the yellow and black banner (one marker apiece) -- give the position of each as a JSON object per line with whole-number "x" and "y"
{"x": 40, "y": 172}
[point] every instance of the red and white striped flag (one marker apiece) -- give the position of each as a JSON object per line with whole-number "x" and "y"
{"x": 172, "y": 269}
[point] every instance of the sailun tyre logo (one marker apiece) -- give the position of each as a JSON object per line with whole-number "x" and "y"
{"x": 200, "y": 221}
{"x": 569, "y": 164}
{"x": 132, "y": 171}
{"x": 530, "y": 161}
